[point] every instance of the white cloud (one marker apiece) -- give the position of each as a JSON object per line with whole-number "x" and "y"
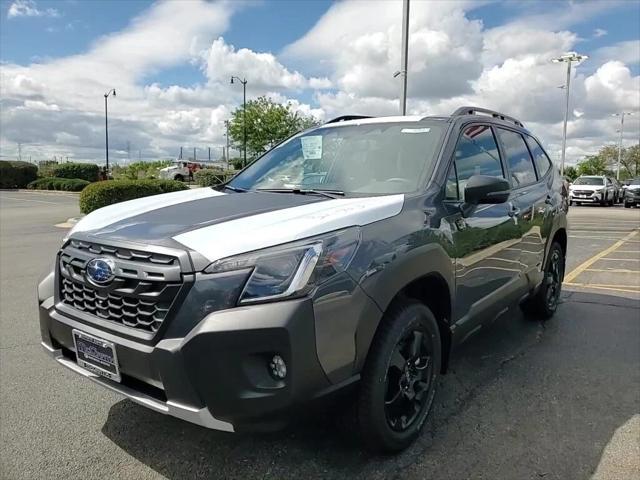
{"x": 28, "y": 8}
{"x": 627, "y": 52}
{"x": 599, "y": 32}
{"x": 344, "y": 63}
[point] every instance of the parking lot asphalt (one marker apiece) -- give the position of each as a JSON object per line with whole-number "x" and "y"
{"x": 523, "y": 399}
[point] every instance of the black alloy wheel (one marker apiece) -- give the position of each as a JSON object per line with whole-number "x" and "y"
{"x": 544, "y": 302}
{"x": 409, "y": 377}
{"x": 399, "y": 378}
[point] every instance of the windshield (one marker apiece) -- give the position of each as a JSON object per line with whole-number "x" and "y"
{"x": 380, "y": 158}
{"x": 589, "y": 181}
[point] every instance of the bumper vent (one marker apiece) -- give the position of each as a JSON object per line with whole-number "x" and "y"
{"x": 141, "y": 294}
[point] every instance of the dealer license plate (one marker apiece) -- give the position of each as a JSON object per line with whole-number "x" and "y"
{"x": 96, "y": 355}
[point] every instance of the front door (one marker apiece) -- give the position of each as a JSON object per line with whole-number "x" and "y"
{"x": 485, "y": 240}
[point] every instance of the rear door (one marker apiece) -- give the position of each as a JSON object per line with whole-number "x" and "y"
{"x": 531, "y": 198}
{"x": 488, "y": 270}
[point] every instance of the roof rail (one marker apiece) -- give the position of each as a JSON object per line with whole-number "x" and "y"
{"x": 344, "y": 118}
{"x": 473, "y": 110}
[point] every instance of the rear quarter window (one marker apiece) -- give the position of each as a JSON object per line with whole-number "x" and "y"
{"x": 521, "y": 168}
{"x": 540, "y": 158}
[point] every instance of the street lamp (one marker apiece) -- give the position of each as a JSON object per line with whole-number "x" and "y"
{"x": 569, "y": 58}
{"x": 243, "y": 81}
{"x": 106, "y": 127}
{"x": 621, "y": 115}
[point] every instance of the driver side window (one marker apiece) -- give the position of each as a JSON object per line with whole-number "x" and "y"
{"x": 476, "y": 154}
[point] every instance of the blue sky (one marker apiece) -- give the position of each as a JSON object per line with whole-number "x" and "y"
{"x": 171, "y": 61}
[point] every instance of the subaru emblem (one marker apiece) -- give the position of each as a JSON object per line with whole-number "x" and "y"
{"x": 101, "y": 271}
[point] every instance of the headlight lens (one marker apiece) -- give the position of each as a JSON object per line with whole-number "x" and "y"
{"x": 293, "y": 269}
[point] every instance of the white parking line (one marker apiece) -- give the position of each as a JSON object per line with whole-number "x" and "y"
{"x": 29, "y": 200}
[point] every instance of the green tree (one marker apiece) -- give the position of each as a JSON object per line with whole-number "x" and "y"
{"x": 268, "y": 123}
{"x": 571, "y": 173}
{"x": 605, "y": 162}
{"x": 593, "y": 165}
{"x": 630, "y": 162}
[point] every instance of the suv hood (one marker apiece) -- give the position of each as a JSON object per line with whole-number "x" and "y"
{"x": 590, "y": 188}
{"x": 218, "y": 225}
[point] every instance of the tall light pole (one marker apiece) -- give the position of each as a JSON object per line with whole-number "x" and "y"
{"x": 226, "y": 125}
{"x": 106, "y": 127}
{"x": 404, "y": 57}
{"x": 568, "y": 58}
{"x": 621, "y": 115}
{"x": 243, "y": 81}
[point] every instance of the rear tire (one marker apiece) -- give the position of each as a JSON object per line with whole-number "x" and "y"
{"x": 179, "y": 178}
{"x": 545, "y": 302}
{"x": 399, "y": 378}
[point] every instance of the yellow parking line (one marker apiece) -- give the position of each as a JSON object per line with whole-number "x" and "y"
{"x": 611, "y": 270}
{"x": 583, "y": 266}
{"x": 622, "y": 259}
{"x": 615, "y": 288}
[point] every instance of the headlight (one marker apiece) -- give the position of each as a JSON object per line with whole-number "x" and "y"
{"x": 292, "y": 269}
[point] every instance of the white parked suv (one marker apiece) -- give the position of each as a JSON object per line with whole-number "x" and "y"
{"x": 180, "y": 171}
{"x": 592, "y": 189}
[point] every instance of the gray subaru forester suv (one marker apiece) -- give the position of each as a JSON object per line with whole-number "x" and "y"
{"x": 358, "y": 253}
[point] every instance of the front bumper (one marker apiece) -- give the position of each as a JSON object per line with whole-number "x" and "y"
{"x": 631, "y": 197}
{"x": 217, "y": 375}
{"x": 594, "y": 198}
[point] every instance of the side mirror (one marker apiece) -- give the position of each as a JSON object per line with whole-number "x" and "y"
{"x": 486, "y": 189}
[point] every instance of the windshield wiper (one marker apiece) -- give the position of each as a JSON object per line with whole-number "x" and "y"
{"x": 235, "y": 189}
{"x": 304, "y": 191}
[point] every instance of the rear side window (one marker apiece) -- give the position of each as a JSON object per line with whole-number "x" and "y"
{"x": 543, "y": 164}
{"x": 476, "y": 154}
{"x": 518, "y": 157}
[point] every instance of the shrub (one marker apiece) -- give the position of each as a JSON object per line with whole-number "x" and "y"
{"x": 63, "y": 184}
{"x": 45, "y": 168}
{"x": 16, "y": 174}
{"x": 84, "y": 171}
{"x": 210, "y": 177}
{"x": 101, "y": 194}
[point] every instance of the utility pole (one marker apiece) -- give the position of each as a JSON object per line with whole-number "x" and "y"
{"x": 243, "y": 81}
{"x": 226, "y": 124}
{"x": 569, "y": 58}
{"x": 404, "y": 57}
{"x": 621, "y": 115}
{"x": 194, "y": 154}
{"x": 209, "y": 148}
{"x": 180, "y": 157}
{"x": 106, "y": 127}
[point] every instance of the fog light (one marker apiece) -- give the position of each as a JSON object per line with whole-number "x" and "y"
{"x": 278, "y": 367}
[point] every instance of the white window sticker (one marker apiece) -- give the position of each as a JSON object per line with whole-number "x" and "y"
{"x": 311, "y": 147}
{"x": 415, "y": 130}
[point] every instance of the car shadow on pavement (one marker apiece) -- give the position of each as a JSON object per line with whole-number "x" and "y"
{"x": 504, "y": 409}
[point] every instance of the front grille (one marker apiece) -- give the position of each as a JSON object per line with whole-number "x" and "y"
{"x": 141, "y": 294}
{"x": 583, "y": 192}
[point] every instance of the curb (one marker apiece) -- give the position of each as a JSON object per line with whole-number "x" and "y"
{"x": 70, "y": 223}
{"x": 40, "y": 192}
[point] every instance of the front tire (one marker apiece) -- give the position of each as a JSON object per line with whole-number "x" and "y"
{"x": 179, "y": 178}
{"x": 399, "y": 378}
{"x": 545, "y": 302}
